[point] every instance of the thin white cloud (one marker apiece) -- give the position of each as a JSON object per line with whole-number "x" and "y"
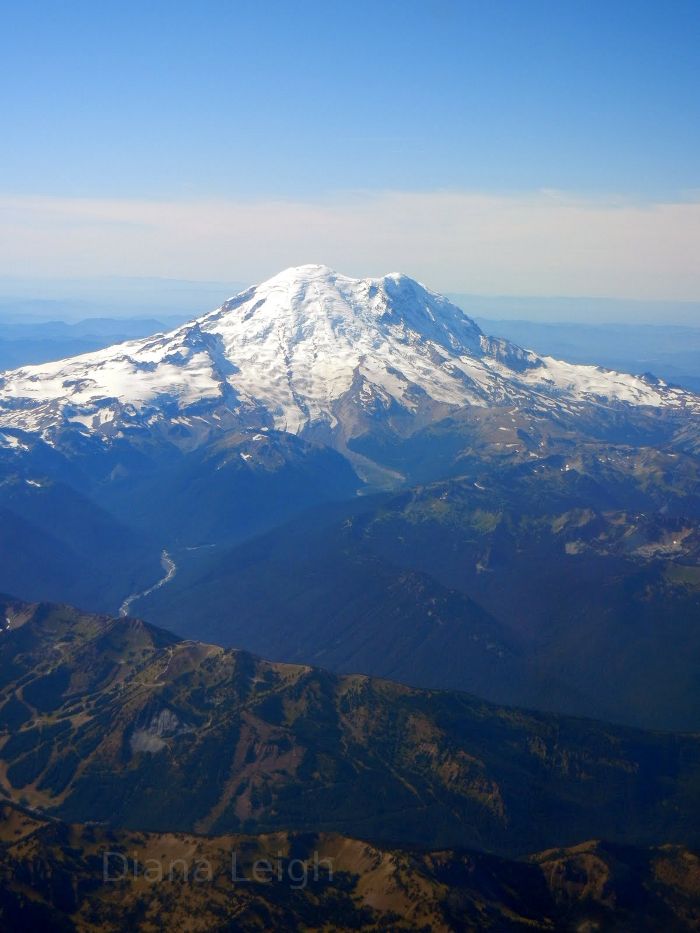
{"x": 541, "y": 243}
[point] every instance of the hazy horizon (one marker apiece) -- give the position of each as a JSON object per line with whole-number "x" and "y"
{"x": 74, "y": 299}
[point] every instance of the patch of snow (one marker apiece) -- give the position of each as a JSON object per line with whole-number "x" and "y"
{"x": 11, "y": 442}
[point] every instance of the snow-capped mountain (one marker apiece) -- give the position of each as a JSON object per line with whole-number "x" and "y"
{"x": 309, "y": 351}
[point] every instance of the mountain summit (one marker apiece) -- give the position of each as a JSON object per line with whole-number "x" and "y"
{"x": 311, "y": 352}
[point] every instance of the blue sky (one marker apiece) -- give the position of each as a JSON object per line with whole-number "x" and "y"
{"x": 311, "y": 103}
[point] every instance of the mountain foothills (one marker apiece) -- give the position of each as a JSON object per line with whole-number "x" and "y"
{"x": 113, "y": 720}
{"x": 560, "y": 588}
{"x": 52, "y": 879}
{"x": 525, "y": 528}
{"x": 134, "y": 767}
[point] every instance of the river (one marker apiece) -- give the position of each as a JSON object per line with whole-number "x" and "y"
{"x": 170, "y": 569}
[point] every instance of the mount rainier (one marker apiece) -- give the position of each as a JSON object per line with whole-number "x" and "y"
{"x": 313, "y": 353}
